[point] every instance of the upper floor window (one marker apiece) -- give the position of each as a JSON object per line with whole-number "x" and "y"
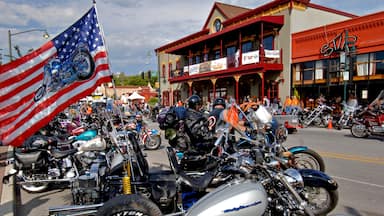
{"x": 268, "y": 42}
{"x": 231, "y": 51}
{"x": 246, "y": 47}
{"x": 198, "y": 59}
{"x": 163, "y": 70}
{"x": 169, "y": 69}
{"x": 217, "y": 25}
{"x": 217, "y": 54}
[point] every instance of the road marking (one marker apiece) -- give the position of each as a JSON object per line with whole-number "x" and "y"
{"x": 357, "y": 181}
{"x": 374, "y": 160}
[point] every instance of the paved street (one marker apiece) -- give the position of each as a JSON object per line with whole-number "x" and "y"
{"x": 356, "y": 164}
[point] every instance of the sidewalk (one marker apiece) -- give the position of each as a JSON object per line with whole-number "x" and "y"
{"x": 6, "y": 190}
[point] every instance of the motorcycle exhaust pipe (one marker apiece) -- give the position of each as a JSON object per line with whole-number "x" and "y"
{"x": 45, "y": 181}
{"x": 76, "y": 209}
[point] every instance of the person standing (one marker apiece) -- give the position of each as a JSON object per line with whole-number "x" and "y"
{"x": 287, "y": 105}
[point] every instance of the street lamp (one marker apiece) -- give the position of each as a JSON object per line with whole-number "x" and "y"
{"x": 45, "y": 35}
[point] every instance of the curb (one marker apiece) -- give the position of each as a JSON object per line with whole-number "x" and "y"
{"x": 7, "y": 192}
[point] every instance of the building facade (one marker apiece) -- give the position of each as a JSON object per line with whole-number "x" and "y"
{"x": 340, "y": 59}
{"x": 239, "y": 52}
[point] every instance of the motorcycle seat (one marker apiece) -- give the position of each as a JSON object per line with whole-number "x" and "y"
{"x": 29, "y": 158}
{"x": 56, "y": 153}
{"x": 197, "y": 183}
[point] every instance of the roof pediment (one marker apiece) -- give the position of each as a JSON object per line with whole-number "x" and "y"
{"x": 223, "y": 12}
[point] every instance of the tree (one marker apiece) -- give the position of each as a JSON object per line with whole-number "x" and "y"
{"x": 122, "y": 79}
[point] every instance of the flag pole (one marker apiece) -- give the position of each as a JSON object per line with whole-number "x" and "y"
{"x": 113, "y": 85}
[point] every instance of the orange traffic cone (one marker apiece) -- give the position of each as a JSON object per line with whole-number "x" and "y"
{"x": 329, "y": 123}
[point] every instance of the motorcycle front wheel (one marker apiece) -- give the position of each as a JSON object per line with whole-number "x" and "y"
{"x": 359, "y": 131}
{"x": 153, "y": 142}
{"x": 309, "y": 159}
{"x": 320, "y": 200}
{"x": 129, "y": 205}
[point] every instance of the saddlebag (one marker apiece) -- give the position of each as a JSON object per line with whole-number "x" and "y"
{"x": 30, "y": 160}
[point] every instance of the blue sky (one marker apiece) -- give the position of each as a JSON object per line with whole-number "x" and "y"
{"x": 133, "y": 28}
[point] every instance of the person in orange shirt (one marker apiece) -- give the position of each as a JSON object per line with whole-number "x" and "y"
{"x": 295, "y": 104}
{"x": 287, "y": 105}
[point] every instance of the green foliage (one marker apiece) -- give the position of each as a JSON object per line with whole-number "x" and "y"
{"x": 135, "y": 80}
{"x": 152, "y": 101}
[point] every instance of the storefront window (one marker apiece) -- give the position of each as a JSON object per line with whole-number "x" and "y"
{"x": 220, "y": 92}
{"x": 379, "y": 60}
{"x": 308, "y": 70}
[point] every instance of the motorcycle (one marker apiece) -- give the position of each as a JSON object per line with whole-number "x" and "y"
{"x": 319, "y": 116}
{"x": 236, "y": 184}
{"x": 57, "y": 74}
{"x": 43, "y": 160}
{"x": 148, "y": 137}
{"x": 39, "y": 162}
{"x": 273, "y": 134}
{"x": 128, "y": 187}
{"x": 347, "y": 116}
{"x": 371, "y": 120}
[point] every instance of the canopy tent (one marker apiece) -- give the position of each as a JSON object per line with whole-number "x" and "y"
{"x": 135, "y": 96}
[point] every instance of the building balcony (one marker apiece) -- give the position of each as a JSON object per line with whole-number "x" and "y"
{"x": 257, "y": 59}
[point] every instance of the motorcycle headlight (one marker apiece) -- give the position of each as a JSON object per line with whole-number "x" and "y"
{"x": 170, "y": 133}
{"x": 294, "y": 177}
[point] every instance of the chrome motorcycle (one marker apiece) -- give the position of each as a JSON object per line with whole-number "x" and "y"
{"x": 347, "y": 116}
{"x": 370, "y": 121}
{"x": 40, "y": 162}
{"x": 44, "y": 160}
{"x": 319, "y": 116}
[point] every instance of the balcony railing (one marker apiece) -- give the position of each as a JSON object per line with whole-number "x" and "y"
{"x": 247, "y": 58}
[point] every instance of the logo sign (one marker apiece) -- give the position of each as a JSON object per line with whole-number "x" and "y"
{"x": 338, "y": 44}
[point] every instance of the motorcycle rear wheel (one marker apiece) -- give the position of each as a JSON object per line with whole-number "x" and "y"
{"x": 153, "y": 142}
{"x": 129, "y": 205}
{"x": 309, "y": 159}
{"x": 320, "y": 200}
{"x": 359, "y": 131}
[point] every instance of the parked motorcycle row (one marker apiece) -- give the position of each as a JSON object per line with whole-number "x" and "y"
{"x": 101, "y": 158}
{"x": 362, "y": 121}
{"x": 66, "y": 150}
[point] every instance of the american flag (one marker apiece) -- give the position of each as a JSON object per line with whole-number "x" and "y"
{"x": 21, "y": 114}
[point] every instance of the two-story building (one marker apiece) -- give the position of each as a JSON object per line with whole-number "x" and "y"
{"x": 239, "y": 52}
{"x": 340, "y": 59}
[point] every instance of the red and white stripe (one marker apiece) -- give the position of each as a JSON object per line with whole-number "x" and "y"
{"x": 20, "y": 116}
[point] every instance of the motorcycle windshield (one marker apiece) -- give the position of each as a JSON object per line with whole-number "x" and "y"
{"x": 379, "y": 98}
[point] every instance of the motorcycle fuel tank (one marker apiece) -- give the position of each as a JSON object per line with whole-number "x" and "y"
{"x": 247, "y": 198}
{"x": 95, "y": 144}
